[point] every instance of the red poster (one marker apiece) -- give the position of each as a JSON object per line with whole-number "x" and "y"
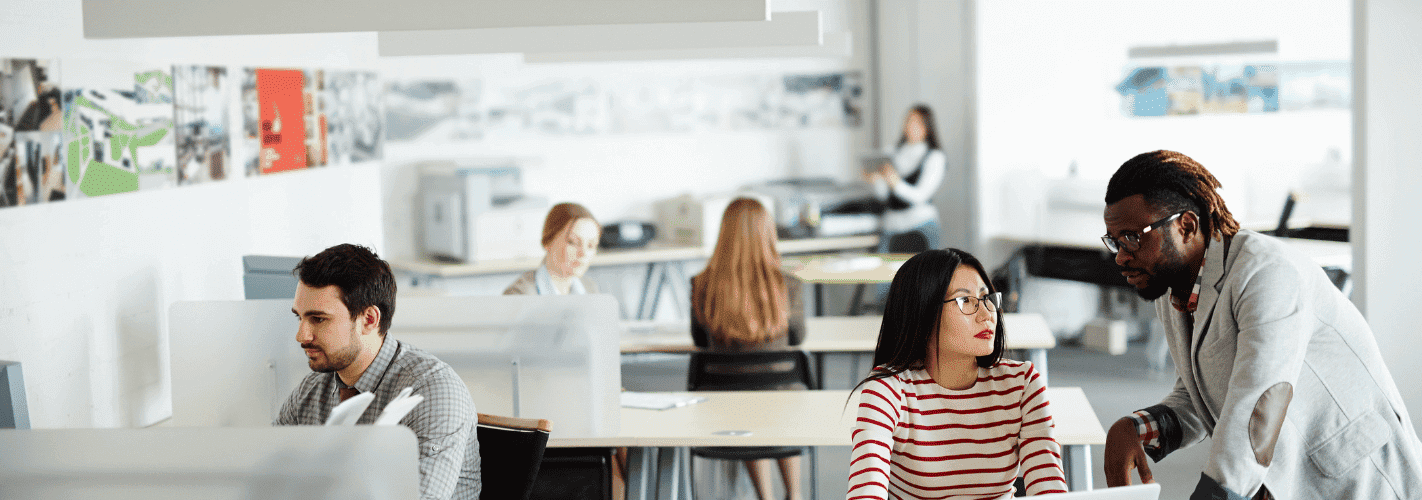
{"x": 282, "y": 120}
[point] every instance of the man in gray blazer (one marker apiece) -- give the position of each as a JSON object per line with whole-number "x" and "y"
{"x": 1272, "y": 361}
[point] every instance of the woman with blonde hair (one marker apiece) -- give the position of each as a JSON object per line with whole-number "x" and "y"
{"x": 743, "y": 301}
{"x": 570, "y": 238}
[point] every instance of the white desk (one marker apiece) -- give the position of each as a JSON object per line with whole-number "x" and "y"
{"x": 829, "y": 334}
{"x": 791, "y": 418}
{"x": 663, "y": 263}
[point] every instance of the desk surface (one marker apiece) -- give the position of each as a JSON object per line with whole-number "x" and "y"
{"x": 827, "y": 334}
{"x": 846, "y": 268}
{"x": 795, "y": 418}
{"x": 654, "y": 252}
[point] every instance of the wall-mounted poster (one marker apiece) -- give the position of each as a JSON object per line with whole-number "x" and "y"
{"x": 118, "y": 124}
{"x": 280, "y": 125}
{"x": 353, "y": 127}
{"x": 201, "y": 104}
{"x": 1234, "y": 88}
{"x": 316, "y": 102}
{"x": 31, "y": 117}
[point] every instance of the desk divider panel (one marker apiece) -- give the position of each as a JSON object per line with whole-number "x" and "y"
{"x": 235, "y": 362}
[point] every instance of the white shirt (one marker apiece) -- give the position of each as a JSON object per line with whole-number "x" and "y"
{"x": 920, "y": 211}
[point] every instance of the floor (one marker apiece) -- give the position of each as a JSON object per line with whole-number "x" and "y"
{"x": 1115, "y": 385}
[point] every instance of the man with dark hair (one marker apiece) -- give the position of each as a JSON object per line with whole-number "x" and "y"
{"x": 1272, "y": 361}
{"x": 345, "y": 300}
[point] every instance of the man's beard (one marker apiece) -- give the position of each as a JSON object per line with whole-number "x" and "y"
{"x": 337, "y": 360}
{"x": 1171, "y": 269}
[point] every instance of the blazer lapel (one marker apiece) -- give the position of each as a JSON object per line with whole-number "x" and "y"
{"x": 1210, "y": 286}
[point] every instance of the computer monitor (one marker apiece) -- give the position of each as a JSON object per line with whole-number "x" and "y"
{"x": 269, "y": 276}
{"x": 303, "y": 462}
{"x": 14, "y": 410}
{"x": 235, "y": 362}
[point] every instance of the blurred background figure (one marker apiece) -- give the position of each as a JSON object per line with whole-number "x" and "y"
{"x": 570, "y": 237}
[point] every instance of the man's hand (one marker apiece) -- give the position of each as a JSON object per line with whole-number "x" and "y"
{"x": 1123, "y": 453}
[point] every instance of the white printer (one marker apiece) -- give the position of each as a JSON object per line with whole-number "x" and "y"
{"x": 477, "y": 211}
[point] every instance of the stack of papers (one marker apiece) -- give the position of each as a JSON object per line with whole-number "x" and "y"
{"x": 658, "y": 401}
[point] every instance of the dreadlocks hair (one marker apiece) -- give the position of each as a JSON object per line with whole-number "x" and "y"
{"x": 1171, "y": 181}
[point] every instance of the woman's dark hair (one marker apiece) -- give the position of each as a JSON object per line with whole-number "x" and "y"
{"x": 914, "y": 309}
{"x": 363, "y": 278}
{"x": 930, "y": 130}
{"x": 1172, "y": 182}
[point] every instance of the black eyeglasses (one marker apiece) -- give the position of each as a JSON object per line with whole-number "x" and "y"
{"x": 969, "y": 305}
{"x": 1130, "y": 241}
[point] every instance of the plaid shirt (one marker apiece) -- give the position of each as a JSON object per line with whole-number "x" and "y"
{"x": 443, "y": 423}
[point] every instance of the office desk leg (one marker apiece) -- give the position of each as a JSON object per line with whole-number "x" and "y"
{"x": 642, "y": 312}
{"x": 1038, "y": 357}
{"x": 1078, "y": 466}
{"x": 819, "y": 299}
{"x": 857, "y": 302}
{"x": 639, "y": 471}
{"x": 670, "y": 474}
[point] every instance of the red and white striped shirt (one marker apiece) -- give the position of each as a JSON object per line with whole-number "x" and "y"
{"x": 915, "y": 439}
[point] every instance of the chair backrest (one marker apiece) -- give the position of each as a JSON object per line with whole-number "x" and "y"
{"x": 510, "y": 452}
{"x": 749, "y": 371}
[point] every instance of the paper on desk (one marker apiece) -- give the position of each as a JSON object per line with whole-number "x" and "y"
{"x": 658, "y": 401}
{"x": 350, "y": 410}
{"x": 851, "y": 264}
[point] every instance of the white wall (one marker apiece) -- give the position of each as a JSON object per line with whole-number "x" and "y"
{"x": 1386, "y": 184}
{"x": 85, "y": 284}
{"x": 1046, "y": 77}
{"x": 618, "y": 175}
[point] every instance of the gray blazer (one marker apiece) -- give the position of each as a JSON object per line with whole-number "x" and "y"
{"x": 1283, "y": 372}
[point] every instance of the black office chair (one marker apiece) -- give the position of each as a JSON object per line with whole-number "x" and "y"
{"x": 510, "y": 453}
{"x": 749, "y": 371}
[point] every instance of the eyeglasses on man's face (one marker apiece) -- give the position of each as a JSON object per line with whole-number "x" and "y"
{"x": 969, "y": 304}
{"x": 1131, "y": 241}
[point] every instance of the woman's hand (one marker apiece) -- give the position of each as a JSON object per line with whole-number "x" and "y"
{"x": 890, "y": 175}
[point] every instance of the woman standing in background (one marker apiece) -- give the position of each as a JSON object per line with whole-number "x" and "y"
{"x": 743, "y": 301}
{"x": 910, "y": 222}
{"x": 570, "y": 237}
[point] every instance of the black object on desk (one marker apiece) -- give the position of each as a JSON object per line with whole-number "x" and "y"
{"x": 627, "y": 234}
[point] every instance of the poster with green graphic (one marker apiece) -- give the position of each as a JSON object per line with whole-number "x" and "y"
{"x": 118, "y": 127}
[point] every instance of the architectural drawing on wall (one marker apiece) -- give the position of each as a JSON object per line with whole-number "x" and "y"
{"x": 274, "y": 120}
{"x": 1234, "y": 88}
{"x": 31, "y": 168}
{"x": 449, "y": 110}
{"x": 315, "y": 105}
{"x": 119, "y": 137}
{"x": 353, "y": 119}
{"x": 201, "y": 103}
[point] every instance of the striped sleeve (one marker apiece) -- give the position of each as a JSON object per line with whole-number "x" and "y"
{"x": 873, "y": 438}
{"x": 1040, "y": 455}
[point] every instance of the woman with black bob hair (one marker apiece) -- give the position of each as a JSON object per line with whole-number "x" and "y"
{"x": 942, "y": 414}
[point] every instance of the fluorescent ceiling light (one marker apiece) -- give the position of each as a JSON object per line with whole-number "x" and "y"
{"x": 836, "y": 44}
{"x": 163, "y": 18}
{"x": 1205, "y": 49}
{"x": 784, "y": 29}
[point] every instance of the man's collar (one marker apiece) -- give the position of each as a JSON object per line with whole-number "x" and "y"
{"x": 373, "y": 374}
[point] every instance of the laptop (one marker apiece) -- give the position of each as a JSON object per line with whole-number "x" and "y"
{"x": 1134, "y": 492}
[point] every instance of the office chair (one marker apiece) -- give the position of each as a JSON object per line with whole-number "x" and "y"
{"x": 747, "y": 371}
{"x": 510, "y": 453}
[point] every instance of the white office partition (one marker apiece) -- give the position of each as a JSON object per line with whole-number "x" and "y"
{"x": 235, "y": 362}
{"x": 311, "y": 462}
{"x": 553, "y": 357}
